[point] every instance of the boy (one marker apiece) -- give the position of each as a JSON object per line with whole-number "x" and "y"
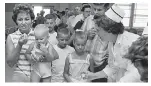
{"x": 50, "y": 22}
{"x": 63, "y": 35}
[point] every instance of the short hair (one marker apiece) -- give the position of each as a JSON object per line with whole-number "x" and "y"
{"x": 51, "y": 16}
{"x": 41, "y": 29}
{"x": 100, "y": 4}
{"x": 105, "y": 5}
{"x": 42, "y": 12}
{"x": 77, "y": 8}
{"x": 62, "y": 25}
{"x": 64, "y": 31}
{"x": 84, "y": 3}
{"x": 67, "y": 9}
{"x": 22, "y": 8}
{"x": 109, "y": 25}
{"x": 85, "y": 6}
{"x": 80, "y": 35}
{"x": 63, "y": 13}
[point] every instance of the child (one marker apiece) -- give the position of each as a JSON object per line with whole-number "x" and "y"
{"x": 40, "y": 54}
{"x": 63, "y": 35}
{"x": 138, "y": 54}
{"x": 77, "y": 63}
{"x": 50, "y": 22}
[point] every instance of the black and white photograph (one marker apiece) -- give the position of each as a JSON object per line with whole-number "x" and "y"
{"x": 76, "y": 42}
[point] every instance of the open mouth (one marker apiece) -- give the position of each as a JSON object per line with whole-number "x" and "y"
{"x": 23, "y": 27}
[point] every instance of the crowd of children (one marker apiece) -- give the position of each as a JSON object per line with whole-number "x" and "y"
{"x": 77, "y": 50}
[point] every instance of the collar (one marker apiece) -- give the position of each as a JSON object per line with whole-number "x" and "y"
{"x": 120, "y": 37}
{"x": 31, "y": 32}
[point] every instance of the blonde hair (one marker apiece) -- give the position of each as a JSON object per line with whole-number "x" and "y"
{"x": 80, "y": 35}
{"x": 41, "y": 29}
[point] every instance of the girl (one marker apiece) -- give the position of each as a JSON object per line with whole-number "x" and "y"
{"x": 77, "y": 63}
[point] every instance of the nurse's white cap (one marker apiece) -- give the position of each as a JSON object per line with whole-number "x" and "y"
{"x": 115, "y": 13}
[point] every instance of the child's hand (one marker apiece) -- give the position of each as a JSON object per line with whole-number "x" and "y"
{"x": 44, "y": 48}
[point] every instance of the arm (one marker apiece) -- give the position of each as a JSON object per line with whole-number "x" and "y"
{"x": 12, "y": 53}
{"x": 66, "y": 71}
{"x": 71, "y": 38}
{"x": 50, "y": 54}
{"x": 92, "y": 76}
{"x": 28, "y": 52}
{"x": 91, "y": 64}
{"x": 54, "y": 52}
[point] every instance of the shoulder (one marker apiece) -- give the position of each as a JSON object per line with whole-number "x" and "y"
{"x": 14, "y": 36}
{"x": 14, "y": 33}
{"x": 79, "y": 16}
{"x": 129, "y": 38}
{"x": 71, "y": 17}
{"x": 70, "y": 48}
{"x": 55, "y": 47}
{"x": 55, "y": 33}
{"x": 70, "y": 57}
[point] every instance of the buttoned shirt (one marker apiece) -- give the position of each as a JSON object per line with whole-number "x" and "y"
{"x": 117, "y": 52}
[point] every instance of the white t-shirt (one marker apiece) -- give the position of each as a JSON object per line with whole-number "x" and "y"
{"x": 58, "y": 21}
{"x": 52, "y": 38}
{"x": 76, "y": 19}
{"x": 88, "y": 23}
{"x": 70, "y": 20}
{"x": 58, "y": 64}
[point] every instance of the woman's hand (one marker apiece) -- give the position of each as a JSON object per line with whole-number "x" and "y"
{"x": 23, "y": 39}
{"x": 90, "y": 76}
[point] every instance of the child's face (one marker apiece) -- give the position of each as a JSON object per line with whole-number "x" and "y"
{"x": 79, "y": 45}
{"x": 62, "y": 40}
{"x": 41, "y": 39}
{"x": 99, "y": 10}
{"x": 87, "y": 12}
{"x": 50, "y": 23}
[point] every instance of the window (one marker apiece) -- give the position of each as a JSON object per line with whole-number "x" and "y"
{"x": 140, "y": 15}
{"x": 127, "y": 9}
{"x": 47, "y": 11}
{"x": 37, "y": 9}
